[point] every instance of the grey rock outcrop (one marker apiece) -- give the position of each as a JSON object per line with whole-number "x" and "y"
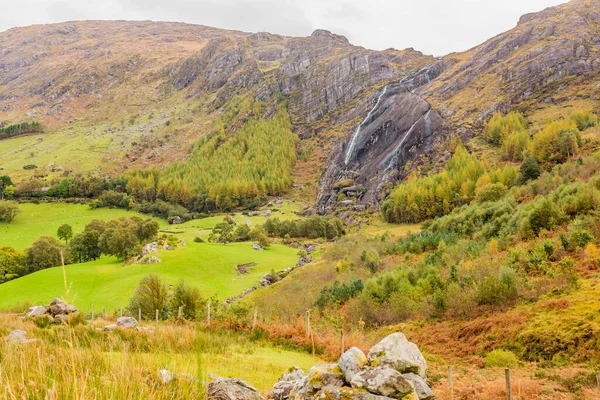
{"x": 126, "y": 322}
{"x": 351, "y": 362}
{"x": 397, "y": 352}
{"x": 383, "y": 381}
{"x": 36, "y": 310}
{"x": 384, "y": 374}
{"x": 232, "y": 389}
{"x": 317, "y": 378}
{"x": 284, "y": 386}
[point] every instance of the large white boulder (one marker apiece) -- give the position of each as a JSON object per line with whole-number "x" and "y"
{"x": 396, "y": 352}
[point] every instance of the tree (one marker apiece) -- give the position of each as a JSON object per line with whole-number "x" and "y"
{"x": 119, "y": 238}
{"x": 259, "y": 235}
{"x": 186, "y": 297}
{"x": 530, "y": 169}
{"x": 11, "y": 264}
{"x": 65, "y": 232}
{"x": 8, "y": 210}
{"x": 147, "y": 229}
{"x": 151, "y": 294}
{"x": 5, "y": 182}
{"x": 9, "y": 192}
{"x": 45, "y": 253}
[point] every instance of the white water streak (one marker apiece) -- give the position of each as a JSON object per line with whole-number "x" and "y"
{"x": 352, "y": 144}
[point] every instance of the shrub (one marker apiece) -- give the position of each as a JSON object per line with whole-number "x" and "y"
{"x": 42, "y": 321}
{"x": 188, "y": 298}
{"x": 501, "y": 358}
{"x": 498, "y": 289}
{"x": 584, "y": 119}
{"x": 151, "y": 294}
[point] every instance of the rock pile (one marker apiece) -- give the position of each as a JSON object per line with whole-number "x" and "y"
{"x": 304, "y": 257}
{"x": 58, "y": 311}
{"x": 393, "y": 369}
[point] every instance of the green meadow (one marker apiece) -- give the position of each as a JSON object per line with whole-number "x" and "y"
{"x": 109, "y": 283}
{"x": 43, "y": 219}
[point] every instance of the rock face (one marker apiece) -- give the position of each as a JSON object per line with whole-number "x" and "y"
{"x": 385, "y": 374}
{"x": 232, "y": 389}
{"x": 400, "y": 127}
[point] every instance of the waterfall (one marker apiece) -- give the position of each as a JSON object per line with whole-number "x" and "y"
{"x": 355, "y": 135}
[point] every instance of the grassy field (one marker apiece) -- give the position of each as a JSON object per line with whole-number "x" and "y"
{"x": 107, "y": 282}
{"x": 125, "y": 364}
{"x": 43, "y": 219}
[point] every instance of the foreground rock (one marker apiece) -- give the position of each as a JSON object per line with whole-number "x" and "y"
{"x": 394, "y": 369}
{"x": 18, "y": 336}
{"x": 287, "y": 382}
{"x": 318, "y": 377}
{"x": 126, "y": 322}
{"x": 351, "y": 362}
{"x": 232, "y": 389}
{"x": 398, "y": 353}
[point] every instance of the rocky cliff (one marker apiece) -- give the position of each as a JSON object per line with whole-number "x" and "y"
{"x": 371, "y": 114}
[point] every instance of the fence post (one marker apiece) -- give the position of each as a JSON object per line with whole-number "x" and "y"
{"x": 342, "y": 349}
{"x": 157, "y": 317}
{"x": 450, "y": 382}
{"x": 308, "y": 324}
{"x": 508, "y": 387}
{"x": 92, "y": 307}
{"x": 121, "y": 312}
{"x": 139, "y": 314}
{"x": 255, "y": 317}
{"x": 179, "y": 312}
{"x": 104, "y": 312}
{"x": 208, "y": 313}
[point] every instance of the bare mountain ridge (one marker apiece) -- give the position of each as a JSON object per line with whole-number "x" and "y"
{"x": 103, "y": 71}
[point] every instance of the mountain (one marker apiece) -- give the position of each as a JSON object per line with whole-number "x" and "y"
{"x": 118, "y": 95}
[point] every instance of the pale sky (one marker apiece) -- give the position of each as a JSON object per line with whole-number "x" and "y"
{"x": 433, "y": 26}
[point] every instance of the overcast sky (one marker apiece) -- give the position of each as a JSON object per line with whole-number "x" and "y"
{"x": 433, "y": 26}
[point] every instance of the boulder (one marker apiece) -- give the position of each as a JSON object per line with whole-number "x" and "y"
{"x": 396, "y": 352}
{"x": 16, "y": 336}
{"x": 285, "y": 385}
{"x": 267, "y": 213}
{"x": 422, "y": 390}
{"x": 62, "y": 309}
{"x": 346, "y": 393}
{"x": 110, "y": 327}
{"x": 384, "y": 381}
{"x": 177, "y": 221}
{"x": 126, "y": 322}
{"x": 60, "y": 318}
{"x": 257, "y": 247}
{"x": 232, "y": 389}
{"x": 37, "y": 310}
{"x": 351, "y": 362}
{"x": 56, "y": 301}
{"x": 318, "y": 377}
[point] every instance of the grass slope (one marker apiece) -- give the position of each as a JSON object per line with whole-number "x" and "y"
{"x": 37, "y": 220}
{"x": 108, "y": 283}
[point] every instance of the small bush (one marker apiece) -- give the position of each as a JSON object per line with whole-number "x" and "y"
{"x": 501, "y": 358}
{"x": 198, "y": 239}
{"x": 42, "y": 321}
